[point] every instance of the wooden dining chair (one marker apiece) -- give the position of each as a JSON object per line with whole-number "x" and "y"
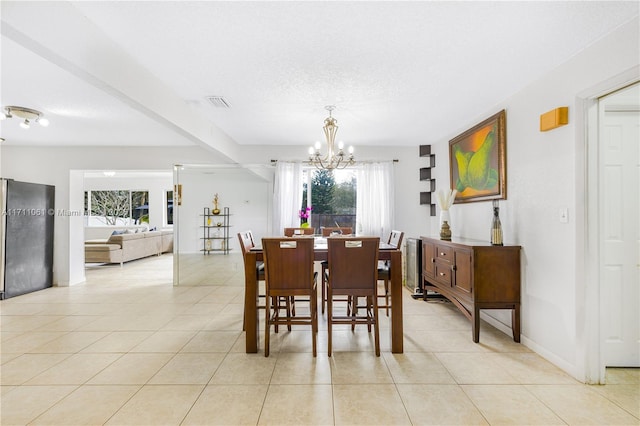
{"x": 246, "y": 243}
{"x": 327, "y": 231}
{"x": 288, "y": 267}
{"x": 291, "y": 232}
{"x": 353, "y": 273}
{"x": 297, "y": 232}
{"x": 384, "y": 268}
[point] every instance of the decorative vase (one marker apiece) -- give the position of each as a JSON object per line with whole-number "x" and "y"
{"x": 445, "y": 217}
{"x": 445, "y": 231}
{"x": 496, "y": 226}
{"x": 215, "y": 210}
{"x": 304, "y": 225}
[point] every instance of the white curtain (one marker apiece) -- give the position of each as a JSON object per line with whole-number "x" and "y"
{"x": 375, "y": 199}
{"x": 287, "y": 196}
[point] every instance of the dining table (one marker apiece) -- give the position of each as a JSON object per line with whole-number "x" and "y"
{"x": 386, "y": 252}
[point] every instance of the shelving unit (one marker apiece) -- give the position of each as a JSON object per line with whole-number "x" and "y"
{"x": 426, "y": 197}
{"x": 215, "y": 231}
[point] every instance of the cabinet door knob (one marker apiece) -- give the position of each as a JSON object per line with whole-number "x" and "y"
{"x": 433, "y": 260}
{"x": 442, "y": 274}
{"x": 442, "y": 253}
{"x": 453, "y": 267}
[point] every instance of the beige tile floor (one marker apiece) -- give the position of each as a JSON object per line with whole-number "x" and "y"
{"x": 127, "y": 347}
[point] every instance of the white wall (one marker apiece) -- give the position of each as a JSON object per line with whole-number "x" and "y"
{"x": 545, "y": 172}
{"x": 246, "y": 196}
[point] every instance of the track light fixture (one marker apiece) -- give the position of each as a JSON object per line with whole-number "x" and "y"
{"x": 28, "y": 116}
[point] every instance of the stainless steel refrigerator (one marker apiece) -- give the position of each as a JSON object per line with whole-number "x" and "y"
{"x": 26, "y": 237}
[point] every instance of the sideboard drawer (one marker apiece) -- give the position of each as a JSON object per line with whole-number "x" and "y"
{"x": 444, "y": 253}
{"x": 443, "y": 273}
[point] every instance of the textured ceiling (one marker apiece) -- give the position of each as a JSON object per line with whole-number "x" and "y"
{"x": 399, "y": 73}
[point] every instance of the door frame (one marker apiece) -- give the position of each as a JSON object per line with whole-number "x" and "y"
{"x": 590, "y": 361}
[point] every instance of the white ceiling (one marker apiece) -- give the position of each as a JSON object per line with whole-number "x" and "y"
{"x": 399, "y": 73}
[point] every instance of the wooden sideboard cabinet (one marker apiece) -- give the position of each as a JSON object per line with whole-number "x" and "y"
{"x": 474, "y": 275}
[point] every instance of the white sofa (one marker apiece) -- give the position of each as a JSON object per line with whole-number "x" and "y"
{"x": 124, "y": 247}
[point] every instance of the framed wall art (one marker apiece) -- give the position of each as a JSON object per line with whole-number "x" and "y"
{"x": 477, "y": 161}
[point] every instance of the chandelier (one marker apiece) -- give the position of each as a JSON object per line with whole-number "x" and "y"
{"x": 27, "y": 114}
{"x": 332, "y": 160}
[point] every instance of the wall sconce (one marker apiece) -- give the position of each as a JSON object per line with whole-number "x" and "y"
{"x": 554, "y": 118}
{"x": 177, "y": 194}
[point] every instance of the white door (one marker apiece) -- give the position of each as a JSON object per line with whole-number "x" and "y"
{"x": 620, "y": 227}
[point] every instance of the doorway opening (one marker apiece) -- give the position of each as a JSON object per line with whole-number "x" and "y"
{"x": 618, "y": 235}
{"x": 610, "y": 269}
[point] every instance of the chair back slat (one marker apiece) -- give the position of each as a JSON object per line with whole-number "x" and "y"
{"x": 353, "y": 263}
{"x": 246, "y": 241}
{"x": 288, "y": 264}
{"x": 290, "y": 232}
{"x": 395, "y": 238}
{"x": 343, "y": 230}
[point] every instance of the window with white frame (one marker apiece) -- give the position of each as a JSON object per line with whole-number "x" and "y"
{"x": 169, "y": 207}
{"x": 116, "y": 207}
{"x": 331, "y": 194}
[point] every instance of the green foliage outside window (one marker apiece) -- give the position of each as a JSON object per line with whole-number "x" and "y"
{"x": 322, "y": 186}
{"x": 333, "y": 200}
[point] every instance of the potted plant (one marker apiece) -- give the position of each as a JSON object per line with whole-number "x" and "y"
{"x": 304, "y": 214}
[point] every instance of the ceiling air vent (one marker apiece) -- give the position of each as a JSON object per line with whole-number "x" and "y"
{"x": 218, "y": 102}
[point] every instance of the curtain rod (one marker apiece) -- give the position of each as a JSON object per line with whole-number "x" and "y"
{"x": 395, "y": 160}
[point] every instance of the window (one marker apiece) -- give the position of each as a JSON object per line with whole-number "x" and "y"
{"x": 116, "y": 207}
{"x": 332, "y": 196}
{"x": 169, "y": 207}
